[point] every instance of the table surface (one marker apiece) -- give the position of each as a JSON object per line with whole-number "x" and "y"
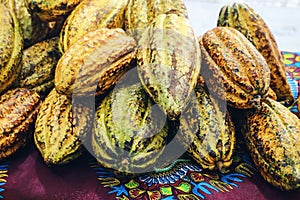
{"x": 282, "y": 17}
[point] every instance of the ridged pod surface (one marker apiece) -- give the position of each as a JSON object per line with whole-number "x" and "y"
{"x": 139, "y": 14}
{"x": 244, "y": 18}
{"x": 18, "y": 110}
{"x": 128, "y": 135}
{"x": 38, "y": 66}
{"x": 90, "y": 15}
{"x": 33, "y": 29}
{"x": 233, "y": 69}
{"x": 11, "y": 46}
{"x": 273, "y": 139}
{"x": 169, "y": 62}
{"x": 61, "y": 128}
{"x": 100, "y": 59}
{"x": 207, "y": 131}
{"x": 51, "y": 10}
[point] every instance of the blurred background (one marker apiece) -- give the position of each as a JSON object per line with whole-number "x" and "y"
{"x": 282, "y": 17}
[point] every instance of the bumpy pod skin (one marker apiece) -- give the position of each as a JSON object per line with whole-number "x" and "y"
{"x": 100, "y": 59}
{"x": 169, "y": 60}
{"x": 233, "y": 69}
{"x": 207, "y": 131}
{"x": 243, "y": 18}
{"x": 60, "y": 129}
{"x": 272, "y": 136}
{"x": 18, "y": 110}
{"x": 11, "y": 46}
{"x": 90, "y": 15}
{"x": 128, "y": 135}
{"x": 139, "y": 14}
{"x": 33, "y": 29}
{"x": 38, "y": 66}
{"x": 51, "y": 10}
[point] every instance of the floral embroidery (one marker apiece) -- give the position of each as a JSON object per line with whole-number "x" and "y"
{"x": 184, "y": 179}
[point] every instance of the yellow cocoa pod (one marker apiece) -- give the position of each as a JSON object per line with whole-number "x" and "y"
{"x": 272, "y": 137}
{"x": 244, "y": 18}
{"x": 90, "y": 15}
{"x": 33, "y": 29}
{"x": 95, "y": 62}
{"x": 51, "y": 10}
{"x": 11, "y": 46}
{"x": 233, "y": 69}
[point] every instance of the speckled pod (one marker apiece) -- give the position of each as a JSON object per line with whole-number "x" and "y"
{"x": 51, "y": 10}
{"x": 169, "y": 62}
{"x": 61, "y": 128}
{"x": 18, "y": 110}
{"x": 89, "y": 16}
{"x": 233, "y": 69}
{"x": 139, "y": 14}
{"x": 33, "y": 29}
{"x": 272, "y": 136}
{"x": 11, "y": 46}
{"x": 38, "y": 66}
{"x": 128, "y": 135}
{"x": 248, "y": 22}
{"x": 207, "y": 132}
{"x": 100, "y": 59}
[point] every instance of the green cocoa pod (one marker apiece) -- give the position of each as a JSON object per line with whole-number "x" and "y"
{"x": 60, "y": 129}
{"x": 38, "y": 66}
{"x": 169, "y": 62}
{"x": 139, "y": 14}
{"x": 207, "y": 131}
{"x": 128, "y": 135}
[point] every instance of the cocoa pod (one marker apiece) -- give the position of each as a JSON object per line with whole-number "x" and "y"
{"x": 61, "y": 128}
{"x": 129, "y": 135}
{"x": 11, "y": 46}
{"x": 207, "y": 131}
{"x": 100, "y": 58}
{"x": 139, "y": 14}
{"x": 233, "y": 69}
{"x": 90, "y": 15}
{"x": 18, "y": 110}
{"x": 169, "y": 62}
{"x": 272, "y": 137}
{"x": 244, "y": 18}
{"x": 38, "y": 66}
{"x": 51, "y": 10}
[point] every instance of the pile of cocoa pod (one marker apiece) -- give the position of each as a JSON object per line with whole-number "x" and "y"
{"x": 131, "y": 83}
